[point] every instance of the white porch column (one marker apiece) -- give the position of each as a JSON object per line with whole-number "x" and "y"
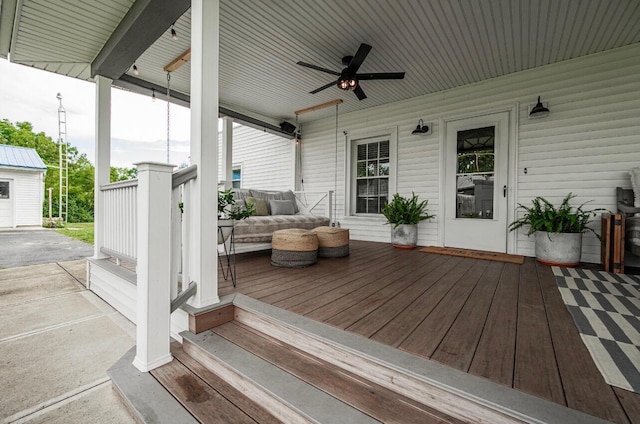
{"x": 102, "y": 159}
{"x": 205, "y": 24}
{"x": 153, "y": 302}
{"x": 227, "y": 151}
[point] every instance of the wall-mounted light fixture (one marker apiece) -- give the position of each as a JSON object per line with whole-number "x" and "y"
{"x": 538, "y": 111}
{"x": 135, "y": 69}
{"x": 421, "y": 128}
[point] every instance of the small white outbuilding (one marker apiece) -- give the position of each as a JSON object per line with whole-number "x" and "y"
{"x": 22, "y": 174}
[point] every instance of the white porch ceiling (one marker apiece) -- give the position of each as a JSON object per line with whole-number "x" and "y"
{"x": 439, "y": 44}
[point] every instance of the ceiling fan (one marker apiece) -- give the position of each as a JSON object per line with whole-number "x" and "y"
{"x": 349, "y": 78}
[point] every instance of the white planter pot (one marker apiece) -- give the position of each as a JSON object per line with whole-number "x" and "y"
{"x": 404, "y": 236}
{"x": 560, "y": 249}
{"x": 225, "y": 226}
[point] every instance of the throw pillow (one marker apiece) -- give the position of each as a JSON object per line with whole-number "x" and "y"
{"x": 266, "y": 195}
{"x": 259, "y": 204}
{"x": 288, "y": 195}
{"x": 281, "y": 207}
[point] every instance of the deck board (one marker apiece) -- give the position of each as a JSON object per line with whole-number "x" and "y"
{"x": 200, "y": 399}
{"x": 536, "y": 369}
{"x": 423, "y": 301}
{"x": 378, "y": 289}
{"x": 495, "y": 353}
{"x": 520, "y": 336}
{"x": 459, "y": 345}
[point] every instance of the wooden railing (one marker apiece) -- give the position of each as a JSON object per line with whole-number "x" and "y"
{"x": 120, "y": 220}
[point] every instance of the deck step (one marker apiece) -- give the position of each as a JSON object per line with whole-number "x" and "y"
{"x": 206, "y": 397}
{"x": 288, "y": 398}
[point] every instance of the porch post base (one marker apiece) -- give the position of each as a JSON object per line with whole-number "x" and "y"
{"x": 146, "y": 366}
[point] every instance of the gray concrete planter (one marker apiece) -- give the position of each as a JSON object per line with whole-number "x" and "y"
{"x": 225, "y": 226}
{"x": 404, "y": 236}
{"x": 559, "y": 249}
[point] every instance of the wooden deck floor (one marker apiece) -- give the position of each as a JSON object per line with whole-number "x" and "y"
{"x": 500, "y": 321}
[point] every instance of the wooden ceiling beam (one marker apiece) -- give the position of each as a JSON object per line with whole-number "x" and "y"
{"x": 178, "y": 61}
{"x": 318, "y": 107}
{"x": 144, "y": 23}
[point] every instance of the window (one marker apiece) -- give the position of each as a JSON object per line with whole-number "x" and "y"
{"x": 372, "y": 172}
{"x": 4, "y": 189}
{"x": 236, "y": 177}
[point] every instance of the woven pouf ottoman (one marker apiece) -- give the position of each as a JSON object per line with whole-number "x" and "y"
{"x": 332, "y": 242}
{"x": 294, "y": 248}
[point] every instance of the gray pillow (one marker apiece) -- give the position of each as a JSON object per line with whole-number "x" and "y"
{"x": 288, "y": 195}
{"x": 281, "y": 207}
{"x": 267, "y": 195}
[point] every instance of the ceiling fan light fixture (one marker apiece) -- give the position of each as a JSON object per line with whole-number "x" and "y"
{"x": 347, "y": 84}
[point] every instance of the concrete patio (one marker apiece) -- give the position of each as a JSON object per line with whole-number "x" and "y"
{"x": 57, "y": 339}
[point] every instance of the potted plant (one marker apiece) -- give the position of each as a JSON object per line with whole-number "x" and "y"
{"x": 404, "y": 214}
{"x": 558, "y": 231}
{"x": 229, "y": 211}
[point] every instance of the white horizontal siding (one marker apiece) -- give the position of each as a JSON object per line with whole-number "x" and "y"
{"x": 28, "y": 195}
{"x": 266, "y": 159}
{"x": 585, "y": 146}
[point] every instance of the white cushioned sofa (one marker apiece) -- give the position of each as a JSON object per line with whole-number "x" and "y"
{"x": 282, "y": 212}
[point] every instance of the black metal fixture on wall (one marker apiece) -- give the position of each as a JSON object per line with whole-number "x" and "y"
{"x": 538, "y": 111}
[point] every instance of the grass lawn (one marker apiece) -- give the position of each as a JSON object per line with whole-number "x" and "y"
{"x": 82, "y": 231}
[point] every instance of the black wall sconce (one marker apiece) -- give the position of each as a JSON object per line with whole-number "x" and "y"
{"x": 421, "y": 129}
{"x": 538, "y": 111}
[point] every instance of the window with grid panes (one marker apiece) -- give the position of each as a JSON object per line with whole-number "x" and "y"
{"x": 372, "y": 176}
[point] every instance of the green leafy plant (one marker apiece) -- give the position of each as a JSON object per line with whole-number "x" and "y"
{"x": 543, "y": 216}
{"x": 228, "y": 208}
{"x": 403, "y": 210}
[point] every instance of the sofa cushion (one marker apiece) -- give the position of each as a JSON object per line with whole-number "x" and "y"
{"x": 260, "y": 228}
{"x": 260, "y": 205}
{"x": 281, "y": 207}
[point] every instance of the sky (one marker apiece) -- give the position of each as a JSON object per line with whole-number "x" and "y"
{"x": 138, "y": 124}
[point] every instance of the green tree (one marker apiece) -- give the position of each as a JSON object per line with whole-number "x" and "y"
{"x": 81, "y": 170}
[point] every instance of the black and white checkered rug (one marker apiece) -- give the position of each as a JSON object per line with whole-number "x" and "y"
{"x": 606, "y": 309}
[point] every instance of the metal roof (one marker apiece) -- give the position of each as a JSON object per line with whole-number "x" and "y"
{"x": 439, "y": 44}
{"x": 20, "y": 157}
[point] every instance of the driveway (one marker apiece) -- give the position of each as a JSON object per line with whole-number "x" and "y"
{"x": 20, "y": 247}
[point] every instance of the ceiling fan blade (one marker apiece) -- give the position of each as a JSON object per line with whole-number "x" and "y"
{"x": 381, "y": 76}
{"x": 323, "y": 87}
{"x": 318, "y": 68}
{"x": 360, "y": 93}
{"x": 359, "y": 57}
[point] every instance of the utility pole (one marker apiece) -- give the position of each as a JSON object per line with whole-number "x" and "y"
{"x": 62, "y": 163}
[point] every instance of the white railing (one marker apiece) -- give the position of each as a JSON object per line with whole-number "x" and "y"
{"x": 316, "y": 203}
{"x": 180, "y": 222}
{"x": 120, "y": 219}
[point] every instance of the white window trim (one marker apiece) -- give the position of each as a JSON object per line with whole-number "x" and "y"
{"x": 351, "y": 141}
{"x": 233, "y": 168}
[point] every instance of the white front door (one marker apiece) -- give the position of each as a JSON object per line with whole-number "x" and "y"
{"x": 476, "y": 172}
{"x": 6, "y": 204}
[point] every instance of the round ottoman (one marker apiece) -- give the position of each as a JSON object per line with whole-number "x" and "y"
{"x": 294, "y": 248}
{"x": 332, "y": 242}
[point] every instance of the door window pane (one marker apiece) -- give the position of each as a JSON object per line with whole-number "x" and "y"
{"x": 475, "y": 173}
